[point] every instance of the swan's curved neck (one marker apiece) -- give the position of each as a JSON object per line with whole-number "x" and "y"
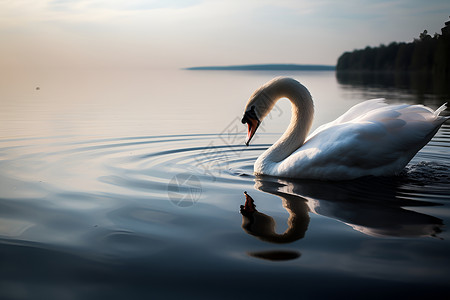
{"x": 301, "y": 119}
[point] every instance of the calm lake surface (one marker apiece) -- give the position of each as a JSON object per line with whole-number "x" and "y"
{"x": 124, "y": 184}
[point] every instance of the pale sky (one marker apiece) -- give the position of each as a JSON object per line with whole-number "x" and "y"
{"x": 177, "y": 33}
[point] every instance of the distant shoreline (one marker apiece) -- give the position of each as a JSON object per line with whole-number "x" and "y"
{"x": 265, "y": 67}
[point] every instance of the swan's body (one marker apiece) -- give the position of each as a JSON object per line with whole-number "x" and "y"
{"x": 371, "y": 138}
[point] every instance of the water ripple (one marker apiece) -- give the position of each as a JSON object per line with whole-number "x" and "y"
{"x": 117, "y": 190}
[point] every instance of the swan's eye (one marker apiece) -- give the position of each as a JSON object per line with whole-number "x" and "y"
{"x": 250, "y": 115}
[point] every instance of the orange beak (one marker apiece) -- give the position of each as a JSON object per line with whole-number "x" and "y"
{"x": 253, "y": 123}
{"x": 252, "y": 126}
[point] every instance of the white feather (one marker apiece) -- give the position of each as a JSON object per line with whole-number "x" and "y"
{"x": 371, "y": 138}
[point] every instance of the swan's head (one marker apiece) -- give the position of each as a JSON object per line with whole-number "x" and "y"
{"x": 258, "y": 107}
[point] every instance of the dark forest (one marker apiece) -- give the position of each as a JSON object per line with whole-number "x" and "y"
{"x": 425, "y": 54}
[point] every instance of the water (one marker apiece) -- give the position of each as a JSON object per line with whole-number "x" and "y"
{"x": 129, "y": 183}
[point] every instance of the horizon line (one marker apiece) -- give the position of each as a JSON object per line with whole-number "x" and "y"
{"x": 265, "y": 67}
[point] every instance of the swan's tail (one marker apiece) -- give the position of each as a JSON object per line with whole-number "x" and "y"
{"x": 440, "y": 109}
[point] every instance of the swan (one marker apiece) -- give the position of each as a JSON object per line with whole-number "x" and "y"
{"x": 372, "y": 138}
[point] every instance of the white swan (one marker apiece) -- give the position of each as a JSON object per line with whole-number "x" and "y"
{"x": 371, "y": 138}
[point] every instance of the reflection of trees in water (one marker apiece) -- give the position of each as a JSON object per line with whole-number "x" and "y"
{"x": 422, "y": 65}
{"x": 419, "y": 83}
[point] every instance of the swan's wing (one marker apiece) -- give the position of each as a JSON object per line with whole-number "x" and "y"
{"x": 378, "y": 110}
{"x": 353, "y": 113}
{"x": 378, "y": 142}
{"x": 342, "y": 150}
{"x": 361, "y": 109}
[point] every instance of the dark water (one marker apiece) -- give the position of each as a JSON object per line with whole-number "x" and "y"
{"x": 122, "y": 186}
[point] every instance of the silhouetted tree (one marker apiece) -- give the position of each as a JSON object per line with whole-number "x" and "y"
{"x": 425, "y": 54}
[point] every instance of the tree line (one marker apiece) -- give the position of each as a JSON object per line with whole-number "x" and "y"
{"x": 424, "y": 54}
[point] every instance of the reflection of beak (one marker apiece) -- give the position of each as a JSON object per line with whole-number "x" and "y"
{"x": 249, "y": 207}
{"x": 253, "y": 123}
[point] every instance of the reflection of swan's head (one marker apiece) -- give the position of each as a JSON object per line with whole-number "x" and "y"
{"x": 263, "y": 226}
{"x": 249, "y": 207}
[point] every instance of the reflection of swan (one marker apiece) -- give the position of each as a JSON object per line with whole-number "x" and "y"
{"x": 371, "y": 138}
{"x": 368, "y": 206}
{"x": 263, "y": 226}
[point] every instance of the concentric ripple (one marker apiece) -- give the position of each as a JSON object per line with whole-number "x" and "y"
{"x": 102, "y": 193}
{"x": 146, "y": 164}
{"x": 55, "y": 190}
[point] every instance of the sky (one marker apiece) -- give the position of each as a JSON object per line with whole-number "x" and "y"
{"x": 178, "y": 34}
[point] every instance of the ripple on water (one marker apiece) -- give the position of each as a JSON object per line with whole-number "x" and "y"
{"x": 107, "y": 193}
{"x": 117, "y": 190}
